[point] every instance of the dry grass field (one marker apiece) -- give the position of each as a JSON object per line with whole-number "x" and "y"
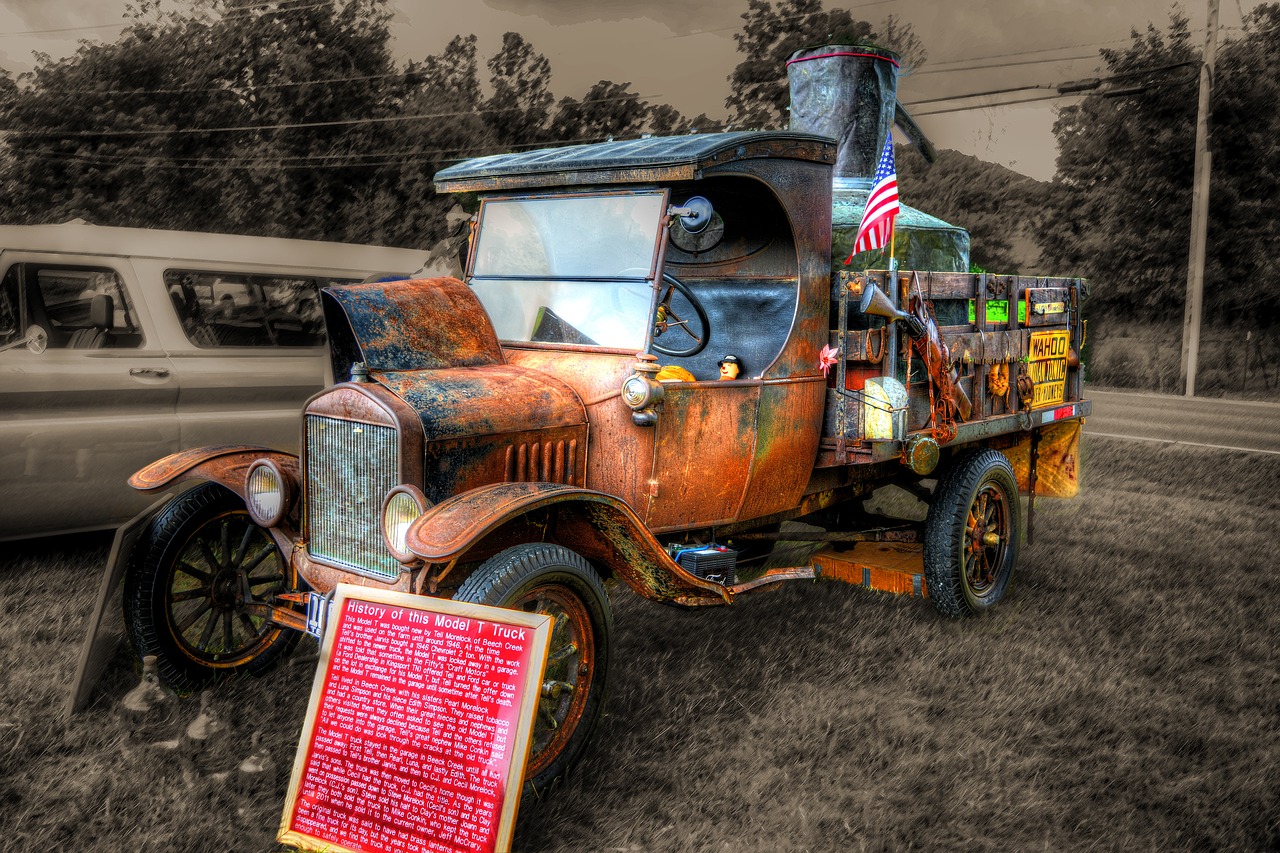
{"x": 1126, "y": 696}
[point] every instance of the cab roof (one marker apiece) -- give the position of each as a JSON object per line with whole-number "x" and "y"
{"x": 651, "y": 160}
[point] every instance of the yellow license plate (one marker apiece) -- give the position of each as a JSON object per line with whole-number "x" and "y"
{"x": 1047, "y": 364}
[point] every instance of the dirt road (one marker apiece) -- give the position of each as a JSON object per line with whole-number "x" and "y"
{"x": 1210, "y": 422}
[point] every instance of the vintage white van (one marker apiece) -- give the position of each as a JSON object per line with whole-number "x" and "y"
{"x": 119, "y": 345}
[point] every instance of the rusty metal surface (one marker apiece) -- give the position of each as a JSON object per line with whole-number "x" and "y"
{"x": 167, "y": 470}
{"x": 488, "y": 400}
{"x": 706, "y": 440}
{"x": 424, "y": 324}
{"x": 323, "y": 578}
{"x": 774, "y": 576}
{"x": 640, "y": 161}
{"x": 787, "y": 432}
{"x": 620, "y": 454}
{"x": 225, "y": 465}
{"x": 450, "y": 527}
{"x": 598, "y": 526}
{"x": 608, "y": 533}
{"x": 360, "y": 403}
{"x": 1057, "y": 461}
{"x": 286, "y": 617}
{"x": 453, "y": 466}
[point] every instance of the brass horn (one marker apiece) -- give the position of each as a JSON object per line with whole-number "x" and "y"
{"x": 876, "y": 303}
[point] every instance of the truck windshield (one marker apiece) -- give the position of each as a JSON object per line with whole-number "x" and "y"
{"x": 569, "y": 269}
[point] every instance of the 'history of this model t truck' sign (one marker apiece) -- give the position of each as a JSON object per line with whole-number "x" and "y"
{"x": 419, "y": 726}
{"x": 1047, "y": 364}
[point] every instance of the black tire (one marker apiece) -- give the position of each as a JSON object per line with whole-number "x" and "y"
{"x": 546, "y": 578}
{"x": 967, "y": 572}
{"x": 185, "y": 592}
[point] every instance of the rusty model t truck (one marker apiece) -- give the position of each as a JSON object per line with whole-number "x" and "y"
{"x": 556, "y": 420}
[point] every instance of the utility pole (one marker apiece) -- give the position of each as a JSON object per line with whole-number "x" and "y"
{"x": 1199, "y": 211}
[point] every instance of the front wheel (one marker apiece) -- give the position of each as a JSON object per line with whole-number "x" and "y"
{"x": 201, "y": 562}
{"x": 550, "y": 579}
{"x": 971, "y": 534}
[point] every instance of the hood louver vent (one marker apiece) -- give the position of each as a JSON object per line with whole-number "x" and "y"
{"x": 542, "y": 462}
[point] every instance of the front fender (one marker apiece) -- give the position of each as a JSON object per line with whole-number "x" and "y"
{"x": 598, "y": 526}
{"x": 224, "y": 464}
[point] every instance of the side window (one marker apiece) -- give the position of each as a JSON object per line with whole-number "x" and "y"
{"x": 10, "y": 307}
{"x": 81, "y": 307}
{"x": 241, "y": 310}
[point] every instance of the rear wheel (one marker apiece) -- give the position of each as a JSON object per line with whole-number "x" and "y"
{"x": 971, "y": 534}
{"x": 550, "y": 579}
{"x": 202, "y": 562}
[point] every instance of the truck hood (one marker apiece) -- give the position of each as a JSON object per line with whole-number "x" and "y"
{"x": 404, "y": 326}
{"x": 494, "y": 399}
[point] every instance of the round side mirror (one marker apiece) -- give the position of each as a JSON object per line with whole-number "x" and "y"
{"x": 37, "y": 339}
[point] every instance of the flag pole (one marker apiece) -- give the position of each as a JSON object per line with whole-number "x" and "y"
{"x": 891, "y": 344}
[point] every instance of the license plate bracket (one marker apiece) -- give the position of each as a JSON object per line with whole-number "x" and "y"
{"x": 318, "y": 613}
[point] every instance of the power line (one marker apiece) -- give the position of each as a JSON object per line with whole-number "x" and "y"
{"x": 1052, "y": 97}
{"x": 229, "y": 89}
{"x": 302, "y": 162}
{"x": 932, "y": 70}
{"x": 288, "y": 125}
{"x": 18, "y": 33}
{"x": 1082, "y": 85}
{"x": 1099, "y": 44}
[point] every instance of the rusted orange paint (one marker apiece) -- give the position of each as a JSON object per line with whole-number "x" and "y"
{"x": 599, "y": 527}
{"x": 1057, "y": 465}
{"x": 892, "y": 567}
{"x": 216, "y": 460}
{"x": 706, "y": 439}
{"x": 424, "y": 324}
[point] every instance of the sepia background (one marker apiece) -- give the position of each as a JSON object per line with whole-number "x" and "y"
{"x": 1127, "y": 693}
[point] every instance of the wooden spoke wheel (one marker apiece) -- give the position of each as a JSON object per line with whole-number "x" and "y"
{"x": 971, "y": 534}
{"x": 550, "y": 579}
{"x": 202, "y": 564}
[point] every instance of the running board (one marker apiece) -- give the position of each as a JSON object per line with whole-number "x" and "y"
{"x": 893, "y": 567}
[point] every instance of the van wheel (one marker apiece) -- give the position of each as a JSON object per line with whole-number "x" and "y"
{"x": 971, "y": 534}
{"x": 550, "y": 579}
{"x": 201, "y": 562}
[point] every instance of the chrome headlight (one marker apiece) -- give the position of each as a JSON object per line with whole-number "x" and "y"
{"x": 402, "y": 507}
{"x": 268, "y": 493}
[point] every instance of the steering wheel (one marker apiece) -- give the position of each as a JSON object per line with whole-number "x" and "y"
{"x": 666, "y": 321}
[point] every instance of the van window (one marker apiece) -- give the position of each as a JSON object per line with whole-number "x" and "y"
{"x": 79, "y": 307}
{"x": 10, "y": 318}
{"x": 219, "y": 309}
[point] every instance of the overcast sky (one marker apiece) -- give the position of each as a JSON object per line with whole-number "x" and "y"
{"x": 681, "y": 51}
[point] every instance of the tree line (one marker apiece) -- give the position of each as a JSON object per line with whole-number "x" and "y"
{"x": 293, "y": 118}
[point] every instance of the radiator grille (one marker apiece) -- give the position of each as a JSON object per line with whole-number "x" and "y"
{"x": 350, "y": 468}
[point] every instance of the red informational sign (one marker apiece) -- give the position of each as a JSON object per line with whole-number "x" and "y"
{"x": 418, "y": 730}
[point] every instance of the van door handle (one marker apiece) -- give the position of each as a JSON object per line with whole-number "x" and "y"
{"x": 156, "y": 372}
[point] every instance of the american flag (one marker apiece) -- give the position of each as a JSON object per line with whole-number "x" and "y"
{"x": 882, "y": 206}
